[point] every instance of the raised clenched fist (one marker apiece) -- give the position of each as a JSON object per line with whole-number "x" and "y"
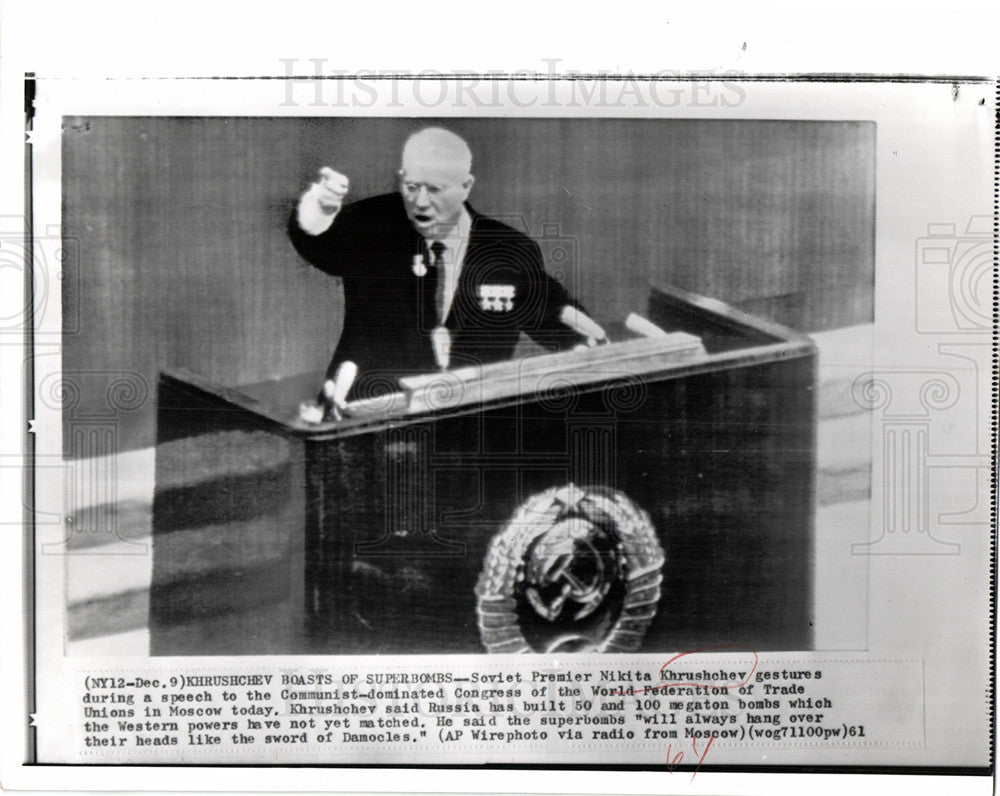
{"x": 322, "y": 201}
{"x": 330, "y": 189}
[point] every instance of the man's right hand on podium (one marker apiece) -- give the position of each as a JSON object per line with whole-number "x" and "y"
{"x": 322, "y": 200}
{"x": 327, "y": 408}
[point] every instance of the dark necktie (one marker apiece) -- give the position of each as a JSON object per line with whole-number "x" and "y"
{"x": 437, "y": 249}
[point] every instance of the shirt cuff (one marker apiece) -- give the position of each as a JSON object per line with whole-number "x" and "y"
{"x": 311, "y": 218}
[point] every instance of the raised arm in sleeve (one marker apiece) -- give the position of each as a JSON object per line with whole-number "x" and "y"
{"x": 334, "y": 250}
{"x": 314, "y": 229}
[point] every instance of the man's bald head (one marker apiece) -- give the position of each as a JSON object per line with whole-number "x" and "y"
{"x": 435, "y": 180}
{"x": 439, "y": 148}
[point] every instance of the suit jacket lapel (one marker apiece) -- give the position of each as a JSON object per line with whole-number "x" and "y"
{"x": 465, "y": 289}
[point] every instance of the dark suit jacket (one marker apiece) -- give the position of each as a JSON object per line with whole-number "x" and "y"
{"x": 389, "y": 310}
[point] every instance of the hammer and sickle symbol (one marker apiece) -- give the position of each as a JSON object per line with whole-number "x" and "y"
{"x": 565, "y": 556}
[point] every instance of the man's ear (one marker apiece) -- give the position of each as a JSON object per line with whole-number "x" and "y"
{"x": 467, "y": 183}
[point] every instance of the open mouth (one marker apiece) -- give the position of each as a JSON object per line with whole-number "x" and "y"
{"x": 423, "y": 218}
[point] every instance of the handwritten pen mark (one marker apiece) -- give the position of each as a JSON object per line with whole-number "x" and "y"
{"x": 674, "y": 760}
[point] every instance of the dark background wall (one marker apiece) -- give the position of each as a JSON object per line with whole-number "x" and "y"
{"x": 183, "y": 259}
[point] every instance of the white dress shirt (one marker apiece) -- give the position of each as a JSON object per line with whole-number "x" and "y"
{"x": 455, "y": 244}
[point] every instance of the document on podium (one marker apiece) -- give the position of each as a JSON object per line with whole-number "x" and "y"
{"x": 482, "y": 383}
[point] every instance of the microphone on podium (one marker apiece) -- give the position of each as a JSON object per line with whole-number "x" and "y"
{"x": 332, "y": 397}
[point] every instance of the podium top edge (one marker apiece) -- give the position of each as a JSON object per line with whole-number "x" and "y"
{"x": 727, "y": 314}
{"x": 400, "y": 414}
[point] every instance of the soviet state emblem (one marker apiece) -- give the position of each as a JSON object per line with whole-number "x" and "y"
{"x": 575, "y": 569}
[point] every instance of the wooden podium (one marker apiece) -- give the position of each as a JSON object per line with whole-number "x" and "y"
{"x": 655, "y": 495}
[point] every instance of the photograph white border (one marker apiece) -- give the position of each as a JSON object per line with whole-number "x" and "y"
{"x": 954, "y": 207}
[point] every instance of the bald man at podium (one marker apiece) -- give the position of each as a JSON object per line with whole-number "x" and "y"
{"x": 429, "y": 283}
